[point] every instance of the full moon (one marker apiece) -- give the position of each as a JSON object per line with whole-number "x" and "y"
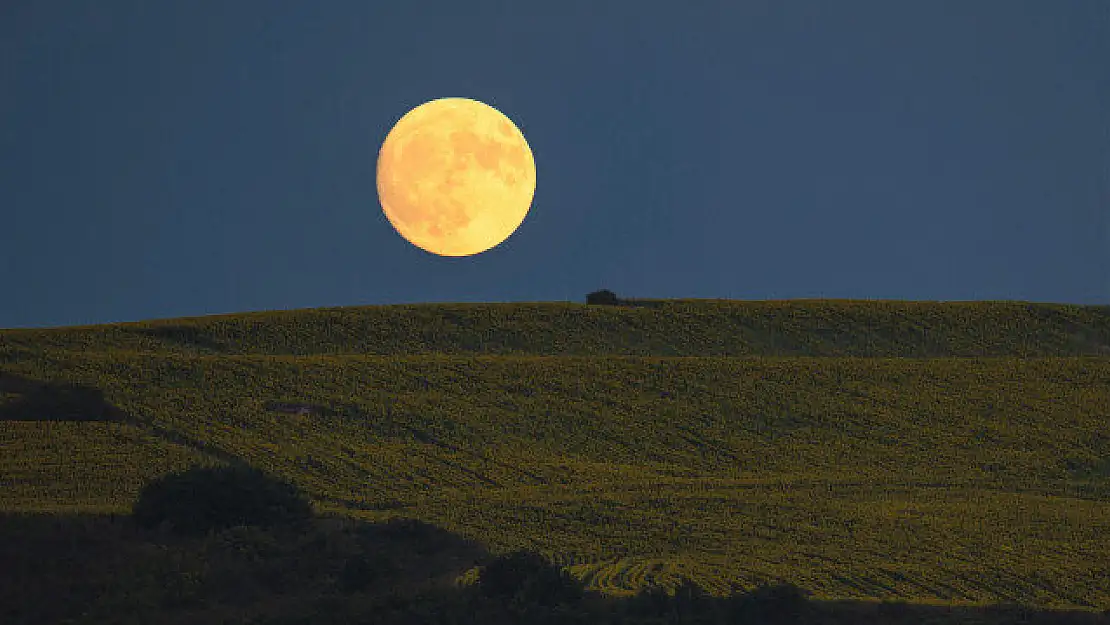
{"x": 455, "y": 177}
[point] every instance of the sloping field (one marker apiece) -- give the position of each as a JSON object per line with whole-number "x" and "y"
{"x": 646, "y": 328}
{"x": 943, "y": 479}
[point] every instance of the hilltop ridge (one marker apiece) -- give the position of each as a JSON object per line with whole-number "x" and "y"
{"x": 813, "y": 327}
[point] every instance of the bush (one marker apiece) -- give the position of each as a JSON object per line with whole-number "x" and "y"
{"x": 603, "y": 297}
{"x": 416, "y": 536}
{"x": 362, "y": 572}
{"x": 651, "y": 601}
{"x": 654, "y": 601}
{"x": 525, "y": 577}
{"x": 204, "y": 499}
{"x": 689, "y": 596}
{"x": 782, "y": 603}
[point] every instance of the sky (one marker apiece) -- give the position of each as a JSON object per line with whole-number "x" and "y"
{"x": 167, "y": 158}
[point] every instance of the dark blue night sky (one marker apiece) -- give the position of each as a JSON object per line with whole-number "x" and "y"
{"x": 171, "y": 158}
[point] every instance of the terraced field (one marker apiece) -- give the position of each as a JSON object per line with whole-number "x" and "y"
{"x": 933, "y": 452}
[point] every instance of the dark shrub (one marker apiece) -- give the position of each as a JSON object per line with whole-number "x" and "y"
{"x": 603, "y": 297}
{"x": 651, "y": 601}
{"x": 777, "y": 604}
{"x": 203, "y": 499}
{"x": 689, "y": 597}
{"x": 417, "y": 536}
{"x": 359, "y": 573}
{"x": 654, "y": 601}
{"x": 526, "y": 577}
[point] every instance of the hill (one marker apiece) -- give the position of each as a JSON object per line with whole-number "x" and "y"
{"x": 929, "y": 452}
{"x": 641, "y": 328}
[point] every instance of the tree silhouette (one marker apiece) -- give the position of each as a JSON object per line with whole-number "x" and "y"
{"x": 603, "y": 297}
{"x": 202, "y": 499}
{"x": 526, "y": 577}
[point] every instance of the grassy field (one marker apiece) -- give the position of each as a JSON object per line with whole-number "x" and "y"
{"x": 950, "y": 453}
{"x": 644, "y": 328}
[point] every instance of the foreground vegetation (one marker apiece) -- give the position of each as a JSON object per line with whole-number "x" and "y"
{"x": 92, "y": 570}
{"x": 934, "y": 453}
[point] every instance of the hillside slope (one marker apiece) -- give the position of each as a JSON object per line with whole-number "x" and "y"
{"x": 651, "y": 328}
{"x": 954, "y": 479}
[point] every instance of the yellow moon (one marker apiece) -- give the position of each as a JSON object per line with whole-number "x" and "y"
{"x": 455, "y": 177}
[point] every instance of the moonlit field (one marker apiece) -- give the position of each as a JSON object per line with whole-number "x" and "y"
{"x": 735, "y": 313}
